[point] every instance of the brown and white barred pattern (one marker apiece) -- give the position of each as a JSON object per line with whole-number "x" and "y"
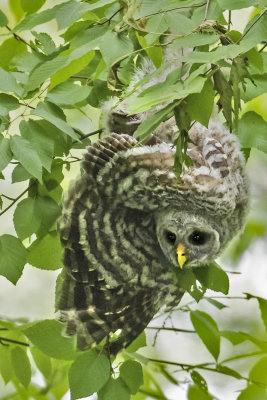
{"x": 115, "y": 276}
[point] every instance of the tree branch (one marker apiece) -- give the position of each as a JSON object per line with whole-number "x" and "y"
{"x": 20, "y": 39}
{"x": 3, "y": 339}
{"x": 16, "y": 199}
{"x": 251, "y": 26}
{"x": 170, "y": 329}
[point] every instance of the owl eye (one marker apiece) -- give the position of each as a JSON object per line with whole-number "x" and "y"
{"x": 171, "y": 237}
{"x": 198, "y": 238}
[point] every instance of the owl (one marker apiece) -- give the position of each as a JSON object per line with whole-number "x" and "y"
{"x": 128, "y": 222}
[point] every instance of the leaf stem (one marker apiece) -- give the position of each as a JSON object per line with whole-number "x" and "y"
{"x": 152, "y": 394}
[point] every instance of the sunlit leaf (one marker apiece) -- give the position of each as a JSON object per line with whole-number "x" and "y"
{"x": 47, "y": 335}
{"x": 95, "y": 368}
{"x": 132, "y": 375}
{"x": 114, "y": 389}
{"x": 21, "y": 365}
{"x": 207, "y": 330}
{"x": 13, "y": 257}
{"x": 46, "y": 253}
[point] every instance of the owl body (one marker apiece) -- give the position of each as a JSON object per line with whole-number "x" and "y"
{"x": 125, "y": 219}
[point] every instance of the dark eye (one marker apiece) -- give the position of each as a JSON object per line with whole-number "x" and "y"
{"x": 170, "y": 236}
{"x": 198, "y": 238}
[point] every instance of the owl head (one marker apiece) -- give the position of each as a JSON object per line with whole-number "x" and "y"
{"x": 187, "y": 238}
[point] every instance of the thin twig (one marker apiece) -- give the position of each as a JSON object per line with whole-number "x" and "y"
{"x": 88, "y": 135}
{"x": 229, "y": 20}
{"x": 12, "y": 341}
{"x": 206, "y": 9}
{"x": 8, "y": 198}
{"x": 110, "y": 18}
{"x": 176, "y": 8}
{"x": 20, "y": 39}
{"x": 153, "y": 395}
{"x": 251, "y": 26}
{"x": 263, "y": 47}
{"x": 16, "y": 199}
{"x": 170, "y": 329}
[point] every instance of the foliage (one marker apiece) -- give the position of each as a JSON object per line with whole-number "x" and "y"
{"x": 47, "y": 82}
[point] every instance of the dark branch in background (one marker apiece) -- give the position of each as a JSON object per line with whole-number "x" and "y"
{"x": 251, "y": 26}
{"x": 20, "y": 39}
{"x": 82, "y": 136}
{"x": 110, "y": 18}
{"x": 3, "y": 339}
{"x": 16, "y": 199}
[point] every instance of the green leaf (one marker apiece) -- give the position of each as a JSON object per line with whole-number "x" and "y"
{"x": 9, "y": 49}
{"x": 138, "y": 343}
{"x": 47, "y": 335}
{"x": 224, "y": 89}
{"x": 8, "y": 103}
{"x": 70, "y": 12}
{"x": 152, "y": 122}
{"x": 234, "y": 337}
{"x": 72, "y": 68}
{"x": 195, "y": 393}
{"x": 228, "y": 371}
{"x": 68, "y": 93}
{"x": 44, "y": 42}
{"x": 216, "y": 303}
{"x": 20, "y": 174}
{"x": 121, "y": 45}
{"x": 21, "y": 365}
{"x": 114, "y": 389}
{"x": 250, "y": 123}
{"x": 27, "y": 207}
{"x": 207, "y": 330}
{"x": 46, "y": 253}
{"x": 25, "y": 153}
{"x": 236, "y": 4}
{"x": 95, "y": 373}
{"x": 43, "y": 145}
{"x": 253, "y": 392}
{"x": 6, "y": 367}
{"x": 3, "y": 19}
{"x": 162, "y": 92}
{"x": 6, "y": 155}
{"x": 258, "y": 372}
{"x": 42, "y": 361}
{"x": 132, "y": 375}
{"x": 55, "y": 116}
{"x": 8, "y": 83}
{"x": 13, "y": 256}
{"x": 48, "y": 211}
{"x": 187, "y": 280}
{"x": 213, "y": 277}
{"x": 199, "y": 381}
{"x": 32, "y": 20}
{"x": 263, "y": 307}
{"x": 198, "y": 109}
{"x": 30, "y": 6}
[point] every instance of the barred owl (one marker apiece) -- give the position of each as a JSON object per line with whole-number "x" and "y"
{"x": 128, "y": 222}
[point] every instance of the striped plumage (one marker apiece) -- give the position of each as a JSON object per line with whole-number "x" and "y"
{"x": 118, "y": 271}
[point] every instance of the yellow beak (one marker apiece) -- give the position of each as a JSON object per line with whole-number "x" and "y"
{"x": 181, "y": 256}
